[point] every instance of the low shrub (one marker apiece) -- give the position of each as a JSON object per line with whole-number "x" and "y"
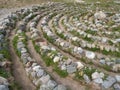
{"x": 62, "y": 73}
{"x": 4, "y": 73}
{"x": 48, "y": 61}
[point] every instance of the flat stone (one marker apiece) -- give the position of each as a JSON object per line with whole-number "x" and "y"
{"x": 34, "y": 64}
{"x": 45, "y": 79}
{"x": 95, "y": 75}
{"x": 75, "y": 38}
{"x": 20, "y": 45}
{"x": 117, "y": 61}
{"x": 63, "y": 67}
{"x": 116, "y": 86}
{"x": 102, "y": 62}
{"x": 86, "y": 78}
{"x": 36, "y": 68}
{"x": 62, "y": 44}
{"x": 56, "y": 59}
{"x": 71, "y": 69}
{"x": 79, "y": 65}
{"x": 19, "y": 31}
{"x": 117, "y": 77}
{"x": 109, "y": 82}
{"x": 40, "y": 73}
{"x": 44, "y": 87}
{"x": 4, "y": 87}
{"x": 23, "y": 50}
{"x": 51, "y": 84}
{"x": 98, "y": 81}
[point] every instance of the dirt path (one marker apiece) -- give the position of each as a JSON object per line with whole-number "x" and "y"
{"x": 18, "y": 70}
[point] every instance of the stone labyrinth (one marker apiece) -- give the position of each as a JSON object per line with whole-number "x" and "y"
{"x": 74, "y": 45}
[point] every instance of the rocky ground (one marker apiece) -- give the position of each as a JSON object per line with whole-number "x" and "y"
{"x": 59, "y": 46}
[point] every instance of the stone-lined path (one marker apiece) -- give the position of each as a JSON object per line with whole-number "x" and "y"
{"x": 18, "y": 69}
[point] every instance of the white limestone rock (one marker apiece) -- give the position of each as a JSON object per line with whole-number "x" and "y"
{"x": 90, "y": 55}
{"x": 100, "y": 15}
{"x": 56, "y": 59}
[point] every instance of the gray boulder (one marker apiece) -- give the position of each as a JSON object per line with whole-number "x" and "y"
{"x": 109, "y": 82}
{"x": 71, "y": 69}
{"x": 40, "y": 73}
{"x": 98, "y": 81}
{"x": 102, "y": 62}
{"x": 4, "y": 87}
{"x": 51, "y": 84}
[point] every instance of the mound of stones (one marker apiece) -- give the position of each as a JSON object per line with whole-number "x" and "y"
{"x": 77, "y": 43}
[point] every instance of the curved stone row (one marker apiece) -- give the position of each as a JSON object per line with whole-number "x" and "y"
{"x": 47, "y": 48}
{"x": 109, "y": 61}
{"x": 39, "y": 77}
{"x": 6, "y": 26}
{"x": 36, "y": 73}
{"x": 6, "y": 78}
{"x": 98, "y": 38}
{"x": 72, "y": 39}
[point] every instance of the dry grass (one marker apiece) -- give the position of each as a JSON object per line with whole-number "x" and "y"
{"x": 19, "y": 3}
